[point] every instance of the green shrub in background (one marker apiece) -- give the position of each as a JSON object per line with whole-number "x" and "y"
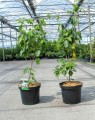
{"x": 1, "y": 54}
{"x": 93, "y": 53}
{"x": 50, "y": 49}
{"x": 7, "y": 54}
{"x": 83, "y": 51}
{"x": 52, "y": 46}
{"x": 55, "y": 54}
{"x": 8, "y": 57}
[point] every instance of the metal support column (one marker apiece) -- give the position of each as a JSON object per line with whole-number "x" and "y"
{"x": 87, "y": 39}
{"x": 78, "y": 24}
{"x": 2, "y": 41}
{"x": 90, "y": 32}
{"x": 11, "y": 41}
{"x": 16, "y": 36}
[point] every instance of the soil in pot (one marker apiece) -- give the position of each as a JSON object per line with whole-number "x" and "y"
{"x": 31, "y": 96}
{"x": 71, "y": 92}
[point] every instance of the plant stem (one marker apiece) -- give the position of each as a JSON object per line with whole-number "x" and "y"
{"x": 69, "y": 78}
{"x": 68, "y": 61}
{"x": 32, "y": 60}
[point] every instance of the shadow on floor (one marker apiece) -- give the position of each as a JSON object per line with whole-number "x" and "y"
{"x": 45, "y": 99}
{"x": 59, "y": 93}
{"x": 88, "y": 94}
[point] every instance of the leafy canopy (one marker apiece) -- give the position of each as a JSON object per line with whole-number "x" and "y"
{"x": 30, "y": 40}
{"x": 31, "y": 37}
{"x": 65, "y": 67}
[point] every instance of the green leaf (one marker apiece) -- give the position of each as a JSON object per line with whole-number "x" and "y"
{"x": 66, "y": 43}
{"x": 69, "y": 11}
{"x": 75, "y": 7}
{"x": 42, "y": 22}
{"x": 29, "y": 21}
{"x": 42, "y": 41}
{"x": 57, "y": 17}
{"x": 57, "y": 71}
{"x": 20, "y": 27}
{"x": 21, "y": 52}
{"x": 37, "y": 53}
{"x": 70, "y": 73}
{"x": 69, "y": 38}
{"x": 74, "y": 20}
{"x": 64, "y": 72}
{"x": 48, "y": 16}
{"x": 26, "y": 70}
{"x": 37, "y": 60}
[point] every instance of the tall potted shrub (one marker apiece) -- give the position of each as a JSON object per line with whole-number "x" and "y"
{"x": 71, "y": 90}
{"x": 30, "y": 40}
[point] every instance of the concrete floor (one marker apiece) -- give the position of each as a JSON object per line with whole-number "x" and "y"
{"x": 51, "y": 106}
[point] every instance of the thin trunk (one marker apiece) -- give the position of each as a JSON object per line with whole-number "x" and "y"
{"x": 69, "y": 78}
{"x": 69, "y": 75}
{"x": 31, "y": 68}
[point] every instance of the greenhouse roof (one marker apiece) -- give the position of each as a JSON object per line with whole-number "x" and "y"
{"x": 12, "y": 10}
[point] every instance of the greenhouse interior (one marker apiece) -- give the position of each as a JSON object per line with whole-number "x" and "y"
{"x": 46, "y": 45}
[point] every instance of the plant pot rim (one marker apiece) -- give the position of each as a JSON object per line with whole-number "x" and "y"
{"x": 70, "y": 87}
{"x": 30, "y": 88}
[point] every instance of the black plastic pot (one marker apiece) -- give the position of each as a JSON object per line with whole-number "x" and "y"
{"x": 31, "y": 96}
{"x": 92, "y": 59}
{"x": 87, "y": 59}
{"x": 71, "y": 94}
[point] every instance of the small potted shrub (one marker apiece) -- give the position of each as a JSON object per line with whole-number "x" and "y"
{"x": 30, "y": 40}
{"x": 71, "y": 90}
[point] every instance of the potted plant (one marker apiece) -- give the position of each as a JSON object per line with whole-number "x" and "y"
{"x": 71, "y": 90}
{"x": 68, "y": 38}
{"x": 30, "y": 40}
{"x": 93, "y": 55}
